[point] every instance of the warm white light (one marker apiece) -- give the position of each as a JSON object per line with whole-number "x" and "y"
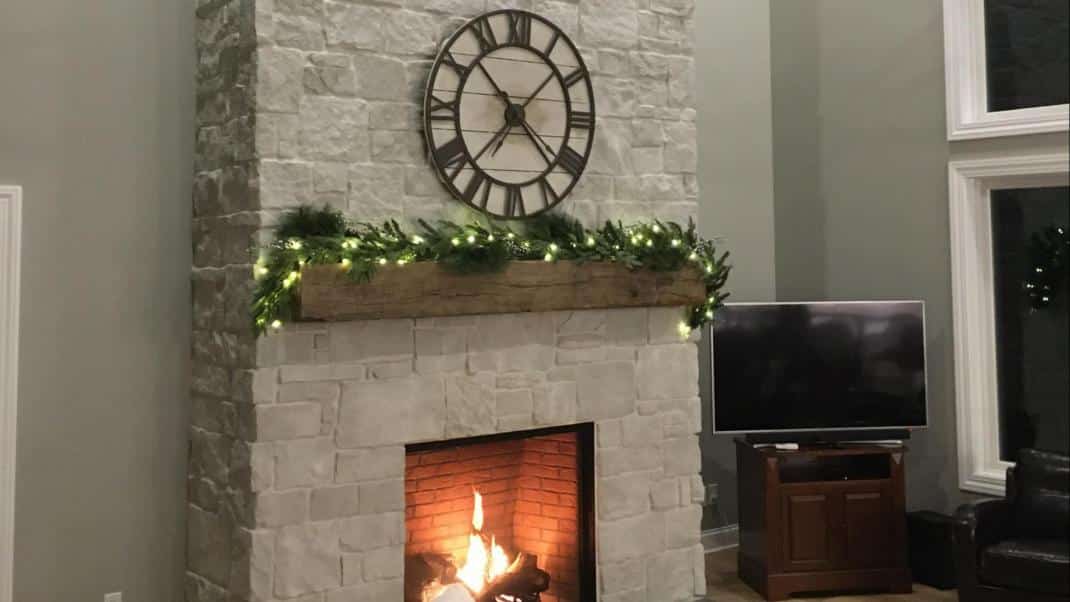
{"x": 683, "y": 329}
{"x": 346, "y": 262}
{"x": 709, "y": 314}
{"x": 656, "y": 228}
{"x": 471, "y": 238}
{"x": 649, "y": 243}
{"x": 709, "y": 269}
{"x": 402, "y": 262}
{"x": 553, "y": 247}
{"x": 510, "y": 236}
{"x": 455, "y": 241}
{"x": 676, "y": 242}
{"x": 277, "y": 324}
{"x": 418, "y": 240}
{"x": 693, "y": 256}
{"x": 548, "y": 257}
{"x": 590, "y": 241}
{"x": 490, "y": 238}
{"x": 294, "y": 244}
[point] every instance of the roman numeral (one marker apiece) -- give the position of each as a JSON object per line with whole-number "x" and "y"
{"x": 570, "y": 161}
{"x": 514, "y": 201}
{"x": 449, "y": 59}
{"x": 520, "y": 29}
{"x": 573, "y": 78}
{"x": 452, "y": 155}
{"x": 581, "y": 120}
{"x": 553, "y": 42}
{"x": 549, "y": 195}
{"x": 472, "y": 189}
{"x": 442, "y": 110}
{"x": 484, "y": 33}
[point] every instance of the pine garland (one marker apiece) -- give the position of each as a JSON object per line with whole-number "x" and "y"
{"x": 1049, "y": 277}
{"x": 308, "y": 236}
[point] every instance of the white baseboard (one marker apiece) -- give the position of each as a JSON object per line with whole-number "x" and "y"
{"x": 720, "y": 538}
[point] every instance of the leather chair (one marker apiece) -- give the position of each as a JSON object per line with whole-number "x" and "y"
{"x": 1018, "y": 548}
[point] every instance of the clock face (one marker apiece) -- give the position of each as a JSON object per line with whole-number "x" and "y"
{"x": 509, "y": 114}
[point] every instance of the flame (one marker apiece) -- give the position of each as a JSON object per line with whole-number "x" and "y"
{"x": 484, "y": 562}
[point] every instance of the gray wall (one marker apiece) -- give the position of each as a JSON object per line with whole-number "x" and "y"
{"x": 96, "y": 123}
{"x": 861, "y": 172}
{"x": 734, "y": 102}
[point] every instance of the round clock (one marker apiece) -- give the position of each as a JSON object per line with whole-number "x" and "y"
{"x": 509, "y": 114}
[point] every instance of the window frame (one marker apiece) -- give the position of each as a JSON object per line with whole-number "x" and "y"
{"x": 966, "y": 81}
{"x": 971, "y": 183}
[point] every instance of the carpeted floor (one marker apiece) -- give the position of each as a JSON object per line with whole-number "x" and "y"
{"x": 725, "y": 586}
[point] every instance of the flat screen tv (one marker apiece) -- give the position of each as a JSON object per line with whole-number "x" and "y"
{"x": 835, "y": 370}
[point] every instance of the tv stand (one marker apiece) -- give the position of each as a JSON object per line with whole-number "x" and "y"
{"x": 828, "y": 438}
{"x": 822, "y": 519}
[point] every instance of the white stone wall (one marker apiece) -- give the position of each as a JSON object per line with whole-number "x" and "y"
{"x": 341, "y": 87}
{"x": 335, "y": 405}
{"x": 294, "y": 478}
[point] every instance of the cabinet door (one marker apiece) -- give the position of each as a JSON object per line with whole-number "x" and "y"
{"x": 868, "y": 527}
{"x": 807, "y": 523}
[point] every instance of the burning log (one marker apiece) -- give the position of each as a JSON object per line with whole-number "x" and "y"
{"x": 422, "y": 570}
{"x": 524, "y": 578}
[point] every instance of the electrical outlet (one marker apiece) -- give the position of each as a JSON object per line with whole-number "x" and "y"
{"x": 113, "y": 597}
{"x": 711, "y": 494}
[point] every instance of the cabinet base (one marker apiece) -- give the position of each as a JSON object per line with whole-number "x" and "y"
{"x": 782, "y": 586}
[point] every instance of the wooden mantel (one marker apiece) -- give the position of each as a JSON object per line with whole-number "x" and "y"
{"x": 424, "y": 290}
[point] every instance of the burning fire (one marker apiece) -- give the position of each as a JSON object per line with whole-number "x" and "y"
{"x": 484, "y": 562}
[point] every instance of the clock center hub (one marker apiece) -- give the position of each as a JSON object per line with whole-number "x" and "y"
{"x": 514, "y": 115}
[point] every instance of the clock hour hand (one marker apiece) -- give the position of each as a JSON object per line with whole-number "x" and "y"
{"x": 499, "y": 136}
{"x": 538, "y": 138}
{"x": 494, "y": 84}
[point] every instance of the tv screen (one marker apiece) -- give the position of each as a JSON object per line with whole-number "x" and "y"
{"x": 819, "y": 366}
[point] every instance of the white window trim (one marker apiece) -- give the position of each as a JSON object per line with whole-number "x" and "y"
{"x": 10, "y": 246}
{"x": 973, "y": 303}
{"x": 967, "y": 83}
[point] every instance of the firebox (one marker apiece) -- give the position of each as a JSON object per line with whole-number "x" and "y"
{"x": 501, "y": 518}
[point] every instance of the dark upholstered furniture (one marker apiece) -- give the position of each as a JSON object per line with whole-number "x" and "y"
{"x": 1018, "y": 548}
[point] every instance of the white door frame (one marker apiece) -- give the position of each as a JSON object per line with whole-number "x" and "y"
{"x": 10, "y": 246}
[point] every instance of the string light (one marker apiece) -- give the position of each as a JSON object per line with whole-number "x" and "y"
{"x": 402, "y": 262}
{"x": 260, "y": 271}
{"x": 471, "y": 238}
{"x": 510, "y": 236}
{"x": 346, "y": 262}
{"x": 548, "y": 257}
{"x": 417, "y": 240}
{"x": 709, "y": 314}
{"x": 693, "y": 256}
{"x": 490, "y": 238}
{"x": 277, "y": 324}
{"x": 590, "y": 241}
{"x": 553, "y": 247}
{"x": 455, "y": 242}
{"x": 649, "y": 242}
{"x": 675, "y": 242}
{"x": 656, "y": 229}
{"x": 294, "y": 244}
{"x": 382, "y": 261}
{"x": 684, "y": 329}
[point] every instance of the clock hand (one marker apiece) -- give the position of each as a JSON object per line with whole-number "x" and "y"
{"x": 502, "y": 133}
{"x": 494, "y": 84}
{"x": 533, "y": 135}
{"x": 539, "y": 89}
{"x": 532, "y": 131}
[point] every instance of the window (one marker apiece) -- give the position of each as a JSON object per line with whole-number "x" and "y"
{"x": 1011, "y": 333}
{"x": 1007, "y": 65}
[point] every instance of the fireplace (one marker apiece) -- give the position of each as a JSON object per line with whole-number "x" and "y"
{"x": 501, "y": 518}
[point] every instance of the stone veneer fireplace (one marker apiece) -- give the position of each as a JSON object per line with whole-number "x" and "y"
{"x": 300, "y": 441}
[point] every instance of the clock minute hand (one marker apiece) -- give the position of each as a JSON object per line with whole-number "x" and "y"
{"x": 536, "y": 139}
{"x": 539, "y": 89}
{"x": 502, "y": 133}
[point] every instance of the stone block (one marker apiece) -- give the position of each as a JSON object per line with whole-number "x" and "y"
{"x": 390, "y": 369}
{"x": 681, "y": 457}
{"x": 352, "y": 569}
{"x": 665, "y": 494}
{"x": 209, "y": 540}
{"x": 275, "y": 509}
{"x": 318, "y": 392}
{"x": 470, "y": 405}
{"x": 408, "y": 32}
{"x": 622, "y": 576}
{"x": 308, "y": 559}
{"x": 306, "y": 373}
{"x": 377, "y": 497}
{"x": 370, "y": 464}
{"x": 370, "y": 532}
{"x": 287, "y": 421}
{"x": 380, "y": 77}
{"x": 555, "y": 404}
{"x": 334, "y": 502}
{"x": 279, "y": 74}
{"x": 363, "y": 340}
{"x": 670, "y": 576}
{"x": 683, "y": 527}
{"x": 252, "y": 569}
{"x": 285, "y": 183}
{"x": 606, "y": 390}
{"x": 298, "y": 32}
{"x": 334, "y": 129}
{"x": 631, "y": 538}
{"x": 618, "y": 460}
{"x": 384, "y": 564}
{"x": 380, "y": 591}
{"x": 623, "y": 496}
{"x": 512, "y": 402}
{"x": 605, "y": 24}
{"x": 303, "y": 463}
{"x": 642, "y": 431}
{"x": 355, "y": 26}
{"x": 668, "y": 372}
{"x": 391, "y": 412}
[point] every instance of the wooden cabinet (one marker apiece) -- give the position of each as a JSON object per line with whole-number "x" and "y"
{"x": 822, "y": 519}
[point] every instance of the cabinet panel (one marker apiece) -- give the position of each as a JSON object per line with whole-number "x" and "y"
{"x": 868, "y": 528}
{"x": 808, "y": 527}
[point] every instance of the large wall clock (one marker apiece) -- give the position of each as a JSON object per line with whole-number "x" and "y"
{"x": 509, "y": 114}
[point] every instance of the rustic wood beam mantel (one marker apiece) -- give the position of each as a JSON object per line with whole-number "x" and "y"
{"x": 422, "y": 290}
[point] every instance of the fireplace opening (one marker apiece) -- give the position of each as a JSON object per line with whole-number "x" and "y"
{"x": 502, "y": 518}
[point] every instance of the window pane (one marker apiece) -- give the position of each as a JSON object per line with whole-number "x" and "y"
{"x": 1028, "y": 53}
{"x": 1032, "y": 330}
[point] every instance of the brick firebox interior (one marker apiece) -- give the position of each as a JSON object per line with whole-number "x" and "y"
{"x": 532, "y": 502}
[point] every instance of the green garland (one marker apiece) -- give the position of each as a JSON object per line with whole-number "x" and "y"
{"x": 1049, "y": 254}
{"x": 308, "y": 236}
